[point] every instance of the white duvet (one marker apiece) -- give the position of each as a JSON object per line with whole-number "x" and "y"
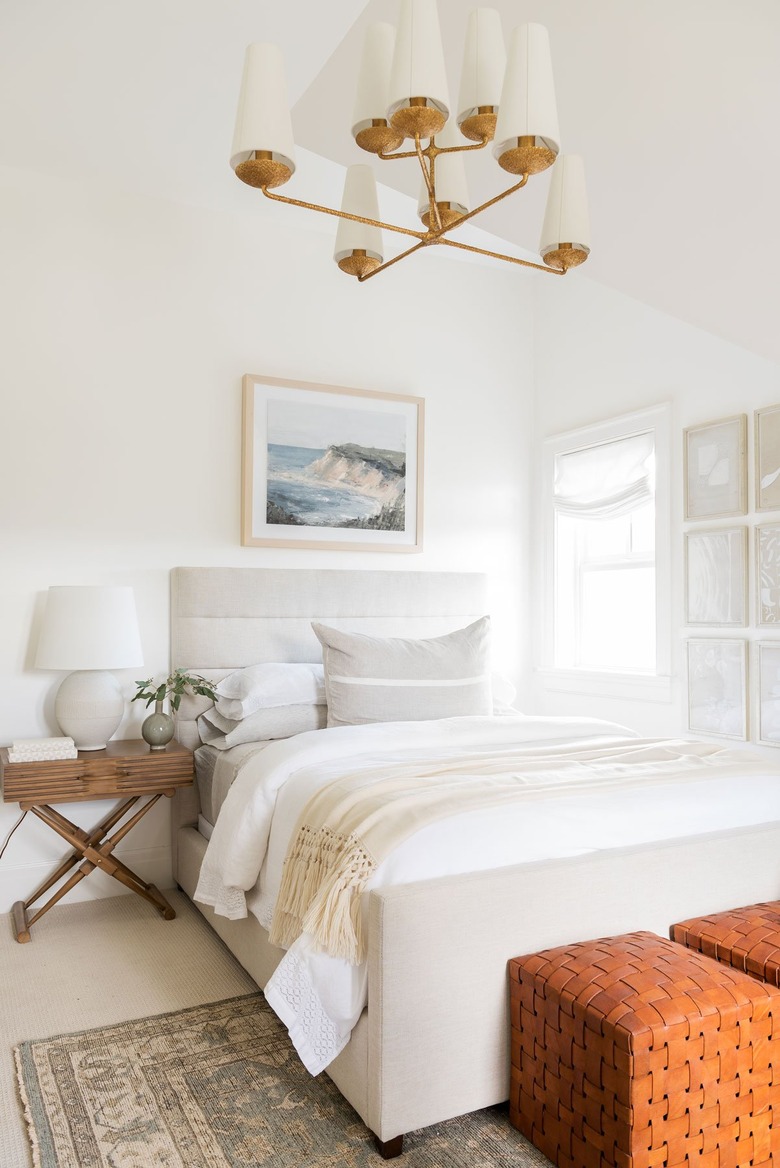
{"x": 320, "y": 997}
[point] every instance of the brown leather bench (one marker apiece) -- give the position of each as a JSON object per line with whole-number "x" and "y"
{"x": 635, "y": 1052}
{"x": 745, "y": 938}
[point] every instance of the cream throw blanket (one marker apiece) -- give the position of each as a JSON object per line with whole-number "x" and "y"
{"x": 353, "y": 823}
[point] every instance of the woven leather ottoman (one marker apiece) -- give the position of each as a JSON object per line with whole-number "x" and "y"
{"x": 745, "y": 938}
{"x": 634, "y": 1052}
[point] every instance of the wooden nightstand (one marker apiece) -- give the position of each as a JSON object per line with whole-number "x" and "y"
{"x": 124, "y": 769}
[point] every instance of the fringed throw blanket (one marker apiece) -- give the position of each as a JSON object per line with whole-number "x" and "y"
{"x": 353, "y": 823}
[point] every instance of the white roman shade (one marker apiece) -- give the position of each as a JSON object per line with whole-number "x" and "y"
{"x": 600, "y": 482}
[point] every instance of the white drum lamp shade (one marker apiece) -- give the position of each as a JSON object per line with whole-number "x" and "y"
{"x": 359, "y": 198}
{"x": 527, "y": 106}
{"x": 371, "y": 99}
{"x": 484, "y": 63}
{"x": 451, "y": 185}
{"x": 89, "y": 629}
{"x": 263, "y": 116}
{"x": 418, "y": 61}
{"x": 566, "y": 221}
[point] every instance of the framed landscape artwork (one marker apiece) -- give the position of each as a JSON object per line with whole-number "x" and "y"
{"x": 716, "y": 469}
{"x": 331, "y": 467}
{"x": 768, "y": 692}
{"x": 717, "y": 687}
{"x": 767, "y": 434}
{"x": 715, "y": 576}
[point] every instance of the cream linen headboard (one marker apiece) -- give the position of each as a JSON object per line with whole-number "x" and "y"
{"x": 226, "y": 618}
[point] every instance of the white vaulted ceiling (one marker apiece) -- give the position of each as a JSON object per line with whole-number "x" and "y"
{"x": 673, "y": 103}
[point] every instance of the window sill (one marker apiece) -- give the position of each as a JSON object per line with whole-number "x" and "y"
{"x": 634, "y": 687}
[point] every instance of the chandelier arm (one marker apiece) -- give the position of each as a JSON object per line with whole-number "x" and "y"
{"x": 343, "y": 215}
{"x": 497, "y": 255}
{"x": 460, "y": 149}
{"x": 483, "y": 206}
{"x": 394, "y": 260}
{"x": 430, "y": 182}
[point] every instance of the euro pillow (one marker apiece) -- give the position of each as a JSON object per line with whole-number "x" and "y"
{"x": 268, "y": 686}
{"x": 276, "y": 722}
{"x": 391, "y": 679}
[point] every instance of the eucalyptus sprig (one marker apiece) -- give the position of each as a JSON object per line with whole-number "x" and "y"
{"x": 174, "y": 688}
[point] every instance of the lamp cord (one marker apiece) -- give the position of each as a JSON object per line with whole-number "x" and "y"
{"x": 11, "y": 832}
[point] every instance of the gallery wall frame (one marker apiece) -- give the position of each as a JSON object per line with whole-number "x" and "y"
{"x": 331, "y": 467}
{"x": 716, "y": 592}
{"x": 766, "y": 430}
{"x": 767, "y": 557}
{"x": 767, "y": 669}
{"x": 715, "y": 468}
{"x": 717, "y": 687}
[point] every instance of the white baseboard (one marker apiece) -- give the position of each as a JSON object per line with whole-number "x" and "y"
{"x": 152, "y": 864}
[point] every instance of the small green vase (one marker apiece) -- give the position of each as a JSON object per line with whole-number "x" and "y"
{"x": 158, "y": 728}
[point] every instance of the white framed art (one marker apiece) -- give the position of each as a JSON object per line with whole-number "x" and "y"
{"x": 768, "y": 575}
{"x": 716, "y": 576}
{"x": 717, "y": 687}
{"x": 716, "y": 469}
{"x": 768, "y": 670}
{"x": 767, "y": 453}
{"x": 326, "y": 466}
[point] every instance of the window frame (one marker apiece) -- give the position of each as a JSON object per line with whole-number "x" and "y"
{"x": 655, "y": 685}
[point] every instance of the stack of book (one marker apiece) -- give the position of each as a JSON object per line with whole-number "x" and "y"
{"x": 36, "y": 749}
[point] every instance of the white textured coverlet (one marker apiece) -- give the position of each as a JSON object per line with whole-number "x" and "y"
{"x": 563, "y": 812}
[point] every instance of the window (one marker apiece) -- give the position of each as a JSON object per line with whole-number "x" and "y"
{"x": 608, "y": 541}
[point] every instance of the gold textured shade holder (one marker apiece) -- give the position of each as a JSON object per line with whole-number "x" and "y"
{"x": 420, "y": 119}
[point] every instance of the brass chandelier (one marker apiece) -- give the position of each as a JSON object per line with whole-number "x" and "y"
{"x": 402, "y": 95}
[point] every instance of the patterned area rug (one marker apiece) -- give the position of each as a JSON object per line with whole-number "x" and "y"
{"x": 219, "y": 1086}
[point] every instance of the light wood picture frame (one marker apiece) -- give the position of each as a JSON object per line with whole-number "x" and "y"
{"x": 767, "y": 667}
{"x": 766, "y": 431}
{"x": 717, "y": 687}
{"x": 716, "y": 592}
{"x": 331, "y": 467}
{"x": 715, "y": 468}
{"x": 767, "y": 555}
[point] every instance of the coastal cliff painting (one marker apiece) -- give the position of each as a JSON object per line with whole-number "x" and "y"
{"x": 328, "y": 466}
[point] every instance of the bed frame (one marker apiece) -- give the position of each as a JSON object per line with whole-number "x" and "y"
{"x": 433, "y": 1041}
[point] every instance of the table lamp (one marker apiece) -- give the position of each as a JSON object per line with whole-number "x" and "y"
{"x": 89, "y": 629}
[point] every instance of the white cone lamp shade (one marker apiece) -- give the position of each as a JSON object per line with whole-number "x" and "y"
{"x": 484, "y": 65}
{"x": 90, "y": 630}
{"x": 452, "y": 192}
{"x": 263, "y": 151}
{"x": 358, "y": 248}
{"x": 527, "y": 134}
{"x": 566, "y": 231}
{"x": 418, "y": 97}
{"x": 370, "y": 128}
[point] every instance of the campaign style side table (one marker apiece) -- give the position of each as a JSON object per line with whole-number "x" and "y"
{"x": 123, "y": 770}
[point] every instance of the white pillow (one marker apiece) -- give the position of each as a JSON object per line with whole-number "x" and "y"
{"x": 268, "y": 686}
{"x": 277, "y": 722}
{"x": 391, "y": 679}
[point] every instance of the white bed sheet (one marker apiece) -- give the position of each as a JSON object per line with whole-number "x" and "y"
{"x": 320, "y": 997}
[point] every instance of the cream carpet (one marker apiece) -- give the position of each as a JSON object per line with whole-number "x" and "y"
{"x": 96, "y": 963}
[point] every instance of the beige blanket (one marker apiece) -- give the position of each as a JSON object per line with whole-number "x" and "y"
{"x": 353, "y": 823}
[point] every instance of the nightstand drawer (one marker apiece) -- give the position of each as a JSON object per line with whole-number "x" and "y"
{"x": 123, "y": 768}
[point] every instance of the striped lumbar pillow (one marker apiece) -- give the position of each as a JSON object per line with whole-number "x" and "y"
{"x": 390, "y": 679}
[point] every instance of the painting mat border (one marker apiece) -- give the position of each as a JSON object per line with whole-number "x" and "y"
{"x": 759, "y": 646}
{"x": 759, "y": 527}
{"x": 248, "y": 383}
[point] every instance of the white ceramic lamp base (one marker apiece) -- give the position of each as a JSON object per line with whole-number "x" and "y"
{"x": 89, "y": 707}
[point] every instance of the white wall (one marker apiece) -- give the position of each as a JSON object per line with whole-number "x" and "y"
{"x": 599, "y": 354}
{"x": 128, "y": 323}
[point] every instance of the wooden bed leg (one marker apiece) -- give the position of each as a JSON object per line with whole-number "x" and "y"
{"x": 389, "y": 1149}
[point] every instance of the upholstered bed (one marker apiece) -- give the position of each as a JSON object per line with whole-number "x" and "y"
{"x": 433, "y": 1040}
